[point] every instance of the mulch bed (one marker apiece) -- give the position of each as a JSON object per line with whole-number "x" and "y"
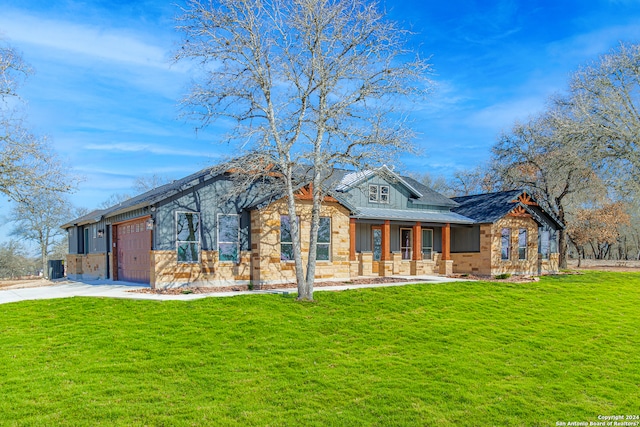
{"x": 238, "y": 288}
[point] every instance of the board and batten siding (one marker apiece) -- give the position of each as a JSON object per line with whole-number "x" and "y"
{"x": 209, "y": 199}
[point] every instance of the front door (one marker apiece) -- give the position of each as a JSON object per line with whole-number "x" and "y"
{"x": 376, "y": 239}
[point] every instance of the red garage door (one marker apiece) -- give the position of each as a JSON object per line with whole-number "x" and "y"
{"x": 133, "y": 245}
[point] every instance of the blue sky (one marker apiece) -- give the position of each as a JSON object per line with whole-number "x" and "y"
{"x": 106, "y": 93}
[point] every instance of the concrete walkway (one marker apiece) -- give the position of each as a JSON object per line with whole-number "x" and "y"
{"x": 110, "y": 289}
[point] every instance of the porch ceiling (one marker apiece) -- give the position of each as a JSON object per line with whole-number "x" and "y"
{"x": 411, "y": 215}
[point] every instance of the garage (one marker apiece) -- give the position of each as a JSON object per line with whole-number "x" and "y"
{"x": 133, "y": 249}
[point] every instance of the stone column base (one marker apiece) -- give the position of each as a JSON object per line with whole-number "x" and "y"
{"x": 385, "y": 268}
{"x": 354, "y": 268}
{"x": 446, "y": 267}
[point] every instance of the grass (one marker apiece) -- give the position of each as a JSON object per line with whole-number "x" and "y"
{"x": 475, "y": 353}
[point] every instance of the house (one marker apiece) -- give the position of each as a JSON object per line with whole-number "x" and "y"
{"x": 198, "y": 231}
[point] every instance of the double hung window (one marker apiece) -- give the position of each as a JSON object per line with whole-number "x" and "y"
{"x": 188, "y": 237}
{"x": 505, "y": 244}
{"x": 228, "y": 237}
{"x": 286, "y": 241}
{"x": 324, "y": 240}
{"x": 522, "y": 243}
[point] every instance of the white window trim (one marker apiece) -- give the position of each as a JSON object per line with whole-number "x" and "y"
{"x": 288, "y": 242}
{"x": 329, "y": 244}
{"x": 378, "y": 193}
{"x": 525, "y": 247}
{"x": 199, "y": 236}
{"x": 237, "y": 242}
{"x": 510, "y": 245}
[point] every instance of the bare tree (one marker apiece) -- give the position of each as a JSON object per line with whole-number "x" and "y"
{"x": 438, "y": 183}
{"x": 15, "y": 261}
{"x": 555, "y": 169}
{"x": 604, "y": 98}
{"x": 38, "y": 219}
{"x": 146, "y": 183}
{"x": 479, "y": 179}
{"x": 27, "y": 162}
{"x": 306, "y": 83}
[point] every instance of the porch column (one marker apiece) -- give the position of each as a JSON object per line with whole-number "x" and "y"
{"x": 352, "y": 239}
{"x": 446, "y": 263}
{"x": 446, "y": 242}
{"x": 417, "y": 242}
{"x": 386, "y": 241}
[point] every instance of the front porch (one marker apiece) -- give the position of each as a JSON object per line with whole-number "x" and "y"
{"x": 387, "y": 248}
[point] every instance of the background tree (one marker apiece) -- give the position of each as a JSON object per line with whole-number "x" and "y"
{"x": 604, "y": 105}
{"x": 27, "y": 162}
{"x": 38, "y": 220}
{"x": 555, "y": 169}
{"x": 598, "y": 228}
{"x": 15, "y": 261}
{"x": 148, "y": 182}
{"x": 309, "y": 84}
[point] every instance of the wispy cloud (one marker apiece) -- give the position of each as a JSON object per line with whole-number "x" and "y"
{"x": 105, "y": 43}
{"x": 148, "y": 148}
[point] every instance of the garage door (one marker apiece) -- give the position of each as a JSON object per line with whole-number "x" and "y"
{"x": 133, "y": 244}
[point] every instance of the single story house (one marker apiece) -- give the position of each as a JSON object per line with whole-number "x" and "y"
{"x": 197, "y": 231}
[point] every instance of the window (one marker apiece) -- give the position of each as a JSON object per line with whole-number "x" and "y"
{"x": 384, "y": 194}
{"x": 379, "y": 193}
{"x": 373, "y": 193}
{"x": 505, "y": 243}
{"x": 286, "y": 242}
{"x": 324, "y": 240}
{"x": 427, "y": 244}
{"x": 228, "y": 237}
{"x": 188, "y": 237}
{"x": 406, "y": 241}
{"x": 544, "y": 246}
{"x": 522, "y": 243}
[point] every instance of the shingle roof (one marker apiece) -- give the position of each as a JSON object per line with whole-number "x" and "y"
{"x": 489, "y": 207}
{"x": 147, "y": 198}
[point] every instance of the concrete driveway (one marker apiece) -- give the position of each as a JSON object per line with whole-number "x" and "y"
{"x": 109, "y": 289}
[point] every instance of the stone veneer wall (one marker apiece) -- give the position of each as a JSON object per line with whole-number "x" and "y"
{"x": 488, "y": 261}
{"x": 477, "y": 262}
{"x": 209, "y": 272}
{"x": 88, "y": 266}
{"x": 551, "y": 265}
{"x": 513, "y": 265}
{"x": 73, "y": 266}
{"x": 265, "y": 243}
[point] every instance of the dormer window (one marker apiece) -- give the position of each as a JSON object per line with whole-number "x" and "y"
{"x": 378, "y": 193}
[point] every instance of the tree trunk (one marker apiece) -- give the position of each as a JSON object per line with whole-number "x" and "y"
{"x": 562, "y": 249}
{"x": 295, "y": 233}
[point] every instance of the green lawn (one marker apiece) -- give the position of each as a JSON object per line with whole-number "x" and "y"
{"x": 565, "y": 349}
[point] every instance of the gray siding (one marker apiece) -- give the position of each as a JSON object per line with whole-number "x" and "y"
{"x": 72, "y": 233}
{"x": 465, "y": 239}
{"x": 398, "y": 194}
{"x": 209, "y": 199}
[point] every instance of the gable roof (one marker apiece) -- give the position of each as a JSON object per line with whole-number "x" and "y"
{"x": 145, "y": 199}
{"x": 490, "y": 207}
{"x": 350, "y": 180}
